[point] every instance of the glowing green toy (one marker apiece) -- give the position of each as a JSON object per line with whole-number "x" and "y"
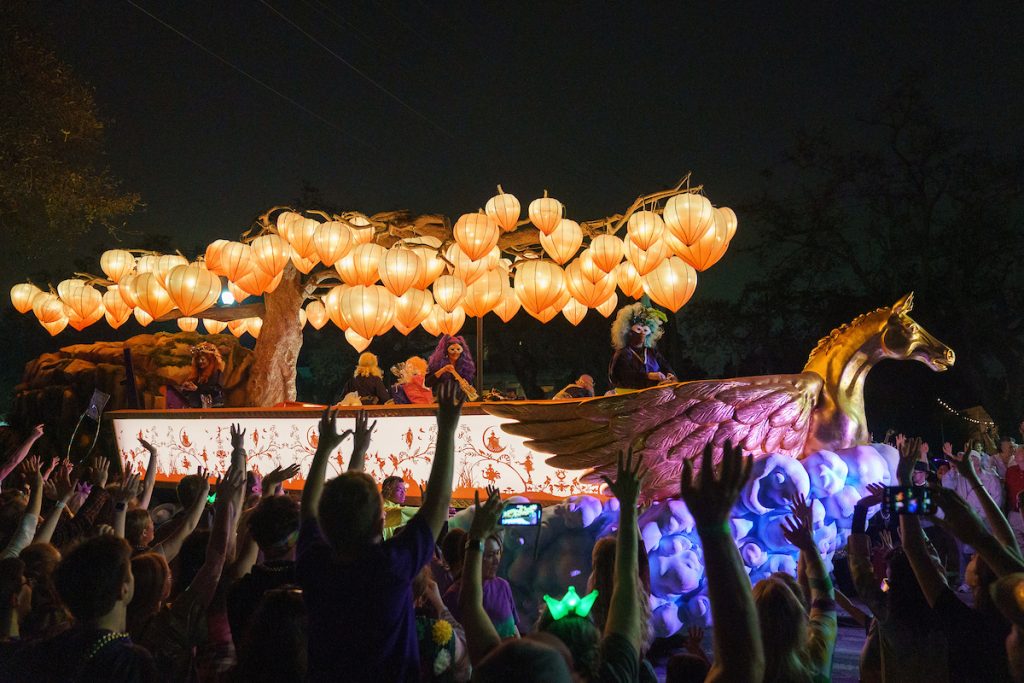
{"x": 571, "y": 603}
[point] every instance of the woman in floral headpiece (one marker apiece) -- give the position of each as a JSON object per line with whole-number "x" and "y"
{"x": 637, "y": 364}
{"x": 202, "y": 389}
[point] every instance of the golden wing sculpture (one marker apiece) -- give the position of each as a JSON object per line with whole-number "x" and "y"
{"x": 668, "y": 424}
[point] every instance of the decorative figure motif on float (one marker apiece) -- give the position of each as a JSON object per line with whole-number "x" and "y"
{"x": 821, "y": 408}
{"x": 452, "y": 362}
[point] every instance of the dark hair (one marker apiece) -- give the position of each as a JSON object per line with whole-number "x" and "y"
{"x": 273, "y": 522}
{"x": 389, "y": 484}
{"x": 151, "y": 574}
{"x": 48, "y": 615}
{"x": 581, "y": 637}
{"x": 524, "y": 660}
{"x": 135, "y": 523}
{"x": 350, "y": 510}
{"x": 274, "y": 646}
{"x": 90, "y": 578}
{"x": 12, "y": 574}
{"x": 453, "y": 549}
{"x": 188, "y": 489}
{"x": 683, "y": 667}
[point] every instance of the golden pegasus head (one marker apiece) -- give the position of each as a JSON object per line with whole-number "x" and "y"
{"x": 904, "y": 339}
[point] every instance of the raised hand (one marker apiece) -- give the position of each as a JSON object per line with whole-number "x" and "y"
{"x": 449, "y": 405}
{"x": 909, "y": 450}
{"x": 203, "y": 473}
{"x": 99, "y": 471}
{"x": 231, "y": 485}
{"x": 628, "y": 476}
{"x": 947, "y": 449}
{"x": 798, "y": 533}
{"x": 237, "y": 437}
{"x": 33, "y": 472}
{"x": 694, "y": 641}
{"x": 363, "y": 432}
{"x": 486, "y": 516}
{"x": 49, "y": 470}
{"x": 278, "y": 476}
{"x": 711, "y": 500}
{"x": 129, "y": 488}
{"x": 964, "y": 464}
{"x": 152, "y": 449}
{"x": 329, "y": 438}
{"x": 802, "y": 509}
{"x": 37, "y": 432}
{"x": 874, "y": 497}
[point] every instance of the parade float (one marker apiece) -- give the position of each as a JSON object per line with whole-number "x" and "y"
{"x": 371, "y": 274}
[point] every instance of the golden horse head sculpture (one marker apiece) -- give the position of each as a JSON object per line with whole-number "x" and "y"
{"x": 843, "y": 360}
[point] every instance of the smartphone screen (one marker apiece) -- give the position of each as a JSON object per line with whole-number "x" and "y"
{"x": 521, "y": 514}
{"x": 908, "y": 500}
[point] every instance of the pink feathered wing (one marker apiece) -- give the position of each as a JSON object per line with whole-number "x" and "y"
{"x": 668, "y": 424}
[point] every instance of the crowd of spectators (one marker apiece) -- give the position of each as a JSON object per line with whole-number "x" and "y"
{"x": 248, "y": 584}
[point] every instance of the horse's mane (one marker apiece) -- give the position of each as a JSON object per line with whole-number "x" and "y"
{"x": 826, "y": 343}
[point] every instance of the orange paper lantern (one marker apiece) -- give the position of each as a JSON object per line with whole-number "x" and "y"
{"x": 238, "y": 327}
{"x": 153, "y": 298}
{"x": 236, "y": 260}
{"x": 671, "y": 284}
{"x": 302, "y": 237}
{"x": 413, "y": 307}
{"x": 644, "y": 228}
{"x": 85, "y": 303}
{"x": 448, "y": 292}
{"x": 711, "y": 246}
{"x": 316, "y": 314}
{"x": 117, "y": 263}
{"x": 687, "y": 216}
{"x": 270, "y": 253}
{"x": 333, "y": 306}
{"x": 646, "y": 261}
{"x": 731, "y": 222}
{"x": 56, "y": 327}
{"x": 213, "y": 253}
{"x": 188, "y": 324}
{"x": 574, "y": 312}
{"x": 476, "y": 234}
{"x": 254, "y": 326}
{"x": 545, "y": 213}
{"x": 332, "y": 241}
{"x": 165, "y": 264}
{"x": 563, "y": 242}
{"x": 485, "y": 293}
{"x": 539, "y": 284}
{"x": 400, "y": 269}
{"x": 588, "y": 293}
{"x": 505, "y": 209}
{"x": 193, "y": 288}
{"x": 142, "y": 317}
{"x": 369, "y": 310}
{"x": 359, "y": 343}
{"x": 450, "y": 322}
{"x": 508, "y": 305}
{"x": 609, "y": 305}
{"x": 629, "y": 280}
{"x": 126, "y": 288}
{"x": 285, "y": 219}
{"x": 366, "y": 260}
{"x": 465, "y": 268}
{"x": 606, "y": 251}
{"x": 22, "y": 296}
{"x": 214, "y": 326}
{"x": 115, "y": 309}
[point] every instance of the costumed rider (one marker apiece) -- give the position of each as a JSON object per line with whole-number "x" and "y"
{"x": 409, "y": 387}
{"x": 451, "y": 364}
{"x": 203, "y": 388}
{"x": 581, "y": 388}
{"x": 366, "y": 382}
{"x": 636, "y": 363}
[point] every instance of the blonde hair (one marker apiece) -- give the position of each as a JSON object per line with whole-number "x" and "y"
{"x": 412, "y": 367}
{"x": 368, "y": 367}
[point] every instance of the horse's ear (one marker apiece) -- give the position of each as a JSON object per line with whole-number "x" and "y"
{"x": 904, "y": 305}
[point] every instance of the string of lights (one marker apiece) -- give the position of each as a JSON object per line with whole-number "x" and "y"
{"x": 962, "y": 416}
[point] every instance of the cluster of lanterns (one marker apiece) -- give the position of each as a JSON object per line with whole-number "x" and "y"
{"x": 416, "y": 282}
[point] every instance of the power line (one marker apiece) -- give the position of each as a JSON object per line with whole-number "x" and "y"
{"x": 359, "y": 72}
{"x": 248, "y": 75}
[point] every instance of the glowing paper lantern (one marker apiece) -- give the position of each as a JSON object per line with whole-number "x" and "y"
{"x": 545, "y": 213}
{"x": 22, "y": 296}
{"x": 608, "y": 306}
{"x": 85, "y": 303}
{"x": 166, "y": 263}
{"x": 238, "y": 327}
{"x": 450, "y": 322}
{"x": 153, "y": 298}
{"x": 255, "y": 282}
{"x": 362, "y": 230}
{"x": 237, "y": 293}
{"x": 55, "y": 327}
{"x": 81, "y": 322}
{"x": 646, "y": 261}
{"x": 117, "y": 263}
{"x": 433, "y": 264}
{"x": 731, "y": 222}
{"x": 687, "y": 216}
{"x": 333, "y": 306}
{"x": 400, "y": 269}
{"x": 504, "y": 208}
{"x": 115, "y": 309}
{"x": 126, "y": 288}
{"x": 508, "y": 305}
{"x": 214, "y": 326}
{"x": 366, "y": 260}
{"x": 711, "y": 246}
{"x": 485, "y": 293}
{"x": 316, "y": 314}
{"x": 142, "y": 317}
{"x": 539, "y": 284}
{"x": 301, "y": 235}
{"x": 476, "y": 234}
{"x": 413, "y": 307}
{"x": 332, "y": 241}
{"x": 671, "y": 284}
{"x": 563, "y": 242}
{"x": 303, "y": 265}
{"x": 147, "y": 263}
{"x": 213, "y": 253}
{"x": 188, "y": 324}
{"x": 285, "y": 219}
{"x": 588, "y": 268}
{"x": 236, "y": 260}
{"x": 430, "y": 322}
{"x": 270, "y": 253}
{"x": 574, "y": 311}
{"x": 254, "y": 326}
{"x": 448, "y": 292}
{"x": 66, "y": 287}
{"x": 357, "y": 342}
{"x": 606, "y": 251}
{"x": 465, "y": 268}
{"x": 629, "y": 280}
{"x": 644, "y": 228}
{"x": 588, "y": 293}
{"x": 193, "y": 288}
{"x": 369, "y": 310}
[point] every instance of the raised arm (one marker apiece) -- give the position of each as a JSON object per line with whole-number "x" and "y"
{"x": 859, "y": 552}
{"x": 915, "y": 545}
{"x": 30, "y": 518}
{"x": 624, "y": 609}
{"x": 739, "y": 653}
{"x": 59, "y": 488}
{"x": 361, "y": 441}
{"x": 481, "y": 636}
{"x": 150, "y": 481}
{"x": 823, "y": 626}
{"x": 439, "y": 485}
{"x": 19, "y": 454}
{"x": 961, "y": 520}
{"x": 997, "y": 522}
{"x": 328, "y": 441}
{"x": 238, "y": 447}
{"x": 204, "y": 585}
{"x": 128, "y": 490}
{"x": 171, "y": 546}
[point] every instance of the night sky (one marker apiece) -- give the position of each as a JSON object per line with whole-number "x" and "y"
{"x": 427, "y": 106}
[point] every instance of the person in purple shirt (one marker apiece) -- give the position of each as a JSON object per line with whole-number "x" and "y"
{"x": 498, "y": 602}
{"x": 357, "y": 587}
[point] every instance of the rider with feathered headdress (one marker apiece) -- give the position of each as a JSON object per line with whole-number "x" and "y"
{"x": 636, "y": 363}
